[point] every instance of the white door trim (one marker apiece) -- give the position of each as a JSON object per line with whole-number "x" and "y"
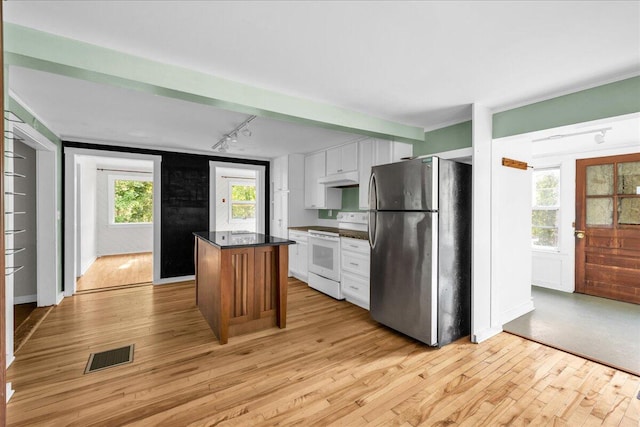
{"x": 70, "y": 203}
{"x": 260, "y": 183}
{"x": 47, "y": 215}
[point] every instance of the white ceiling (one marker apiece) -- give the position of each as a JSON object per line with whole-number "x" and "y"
{"x": 79, "y": 110}
{"x": 417, "y": 63}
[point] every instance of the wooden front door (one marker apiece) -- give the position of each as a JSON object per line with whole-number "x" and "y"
{"x": 608, "y": 227}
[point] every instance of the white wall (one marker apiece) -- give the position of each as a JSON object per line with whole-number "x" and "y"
{"x": 118, "y": 239}
{"x": 556, "y": 269}
{"x": 511, "y": 230}
{"x": 87, "y": 214}
{"x": 222, "y": 196}
{"x": 25, "y": 281}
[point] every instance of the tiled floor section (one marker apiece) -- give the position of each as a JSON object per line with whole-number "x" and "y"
{"x": 595, "y": 328}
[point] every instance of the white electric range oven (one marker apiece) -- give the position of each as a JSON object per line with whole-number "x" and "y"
{"x": 324, "y": 253}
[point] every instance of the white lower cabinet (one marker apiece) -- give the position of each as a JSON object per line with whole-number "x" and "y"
{"x": 356, "y": 258}
{"x": 298, "y": 264}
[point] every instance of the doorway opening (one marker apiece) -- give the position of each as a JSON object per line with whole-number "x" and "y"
{"x": 555, "y": 234}
{"x": 112, "y": 227}
{"x": 114, "y": 208}
{"x": 31, "y": 238}
{"x": 238, "y": 197}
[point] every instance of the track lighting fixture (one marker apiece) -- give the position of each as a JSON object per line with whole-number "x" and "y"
{"x": 598, "y": 138}
{"x": 232, "y": 137}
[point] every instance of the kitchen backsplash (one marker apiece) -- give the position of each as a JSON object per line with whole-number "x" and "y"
{"x": 349, "y": 204}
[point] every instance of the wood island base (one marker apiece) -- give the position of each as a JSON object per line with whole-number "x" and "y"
{"x": 241, "y": 289}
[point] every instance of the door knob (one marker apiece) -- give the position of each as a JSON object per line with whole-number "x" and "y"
{"x": 579, "y": 234}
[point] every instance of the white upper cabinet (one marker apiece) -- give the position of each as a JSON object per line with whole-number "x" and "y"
{"x": 287, "y": 210}
{"x": 317, "y": 196}
{"x": 365, "y": 159}
{"x": 342, "y": 159}
{"x": 288, "y": 172}
{"x": 373, "y": 152}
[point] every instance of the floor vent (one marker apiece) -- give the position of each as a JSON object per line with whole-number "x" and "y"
{"x": 109, "y": 359}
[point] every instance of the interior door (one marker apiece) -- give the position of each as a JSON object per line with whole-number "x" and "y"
{"x": 608, "y": 227}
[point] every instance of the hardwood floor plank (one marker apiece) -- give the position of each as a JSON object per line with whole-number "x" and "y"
{"x": 112, "y": 271}
{"x": 331, "y": 365}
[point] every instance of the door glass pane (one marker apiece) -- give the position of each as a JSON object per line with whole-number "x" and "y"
{"x": 629, "y": 178}
{"x": 600, "y": 211}
{"x": 599, "y": 180}
{"x": 629, "y": 210}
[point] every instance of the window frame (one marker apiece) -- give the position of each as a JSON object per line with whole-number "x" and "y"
{"x": 111, "y": 214}
{"x": 252, "y": 183}
{"x": 557, "y": 208}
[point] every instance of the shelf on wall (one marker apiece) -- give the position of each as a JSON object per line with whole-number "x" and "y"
{"x": 13, "y": 270}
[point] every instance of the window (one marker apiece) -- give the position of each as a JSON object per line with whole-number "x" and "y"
{"x": 130, "y": 200}
{"x": 243, "y": 201}
{"x": 545, "y": 214}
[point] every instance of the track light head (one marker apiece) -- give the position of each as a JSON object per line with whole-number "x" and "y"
{"x": 599, "y": 137}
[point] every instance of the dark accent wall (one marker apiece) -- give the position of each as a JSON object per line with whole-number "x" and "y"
{"x": 184, "y": 202}
{"x": 184, "y": 208}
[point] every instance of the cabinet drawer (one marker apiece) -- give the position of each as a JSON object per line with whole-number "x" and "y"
{"x": 355, "y": 263}
{"x": 298, "y": 236}
{"x": 356, "y": 288}
{"x": 355, "y": 245}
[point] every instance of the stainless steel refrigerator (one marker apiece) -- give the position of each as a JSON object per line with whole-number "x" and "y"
{"x": 420, "y": 237}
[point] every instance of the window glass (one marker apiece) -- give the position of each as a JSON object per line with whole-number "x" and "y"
{"x": 545, "y": 214}
{"x": 243, "y": 201}
{"x": 132, "y": 201}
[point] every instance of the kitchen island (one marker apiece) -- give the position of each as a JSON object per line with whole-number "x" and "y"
{"x": 241, "y": 281}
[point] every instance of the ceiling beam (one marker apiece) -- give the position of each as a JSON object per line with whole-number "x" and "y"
{"x": 42, "y": 51}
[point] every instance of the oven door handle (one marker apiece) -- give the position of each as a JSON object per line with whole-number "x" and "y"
{"x": 326, "y": 238}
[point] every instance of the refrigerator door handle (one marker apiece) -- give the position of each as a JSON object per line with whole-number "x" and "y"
{"x": 373, "y": 192}
{"x": 373, "y": 206}
{"x": 372, "y": 228}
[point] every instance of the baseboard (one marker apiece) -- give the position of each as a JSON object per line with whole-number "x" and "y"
{"x": 89, "y": 264}
{"x": 10, "y": 360}
{"x": 517, "y": 311}
{"x": 25, "y": 299}
{"x": 485, "y": 334}
{"x": 10, "y": 391}
{"x": 59, "y": 297}
{"x": 170, "y": 280}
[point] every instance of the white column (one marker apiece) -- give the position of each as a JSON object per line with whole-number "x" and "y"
{"x": 484, "y": 297}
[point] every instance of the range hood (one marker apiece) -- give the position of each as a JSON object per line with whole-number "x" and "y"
{"x": 343, "y": 179}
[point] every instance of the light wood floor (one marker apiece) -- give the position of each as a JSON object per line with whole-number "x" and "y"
{"x": 117, "y": 270}
{"x": 332, "y": 365}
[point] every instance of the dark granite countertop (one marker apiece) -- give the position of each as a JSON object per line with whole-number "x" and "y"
{"x": 235, "y": 239}
{"x": 362, "y": 235}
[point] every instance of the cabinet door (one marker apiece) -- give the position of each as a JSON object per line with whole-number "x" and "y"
{"x": 400, "y": 150}
{"x": 314, "y": 193}
{"x": 365, "y": 158}
{"x": 334, "y": 160}
{"x": 280, "y": 168}
{"x": 303, "y": 269}
{"x": 293, "y": 259}
{"x": 280, "y": 223}
{"x": 349, "y": 157}
{"x": 382, "y": 152}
